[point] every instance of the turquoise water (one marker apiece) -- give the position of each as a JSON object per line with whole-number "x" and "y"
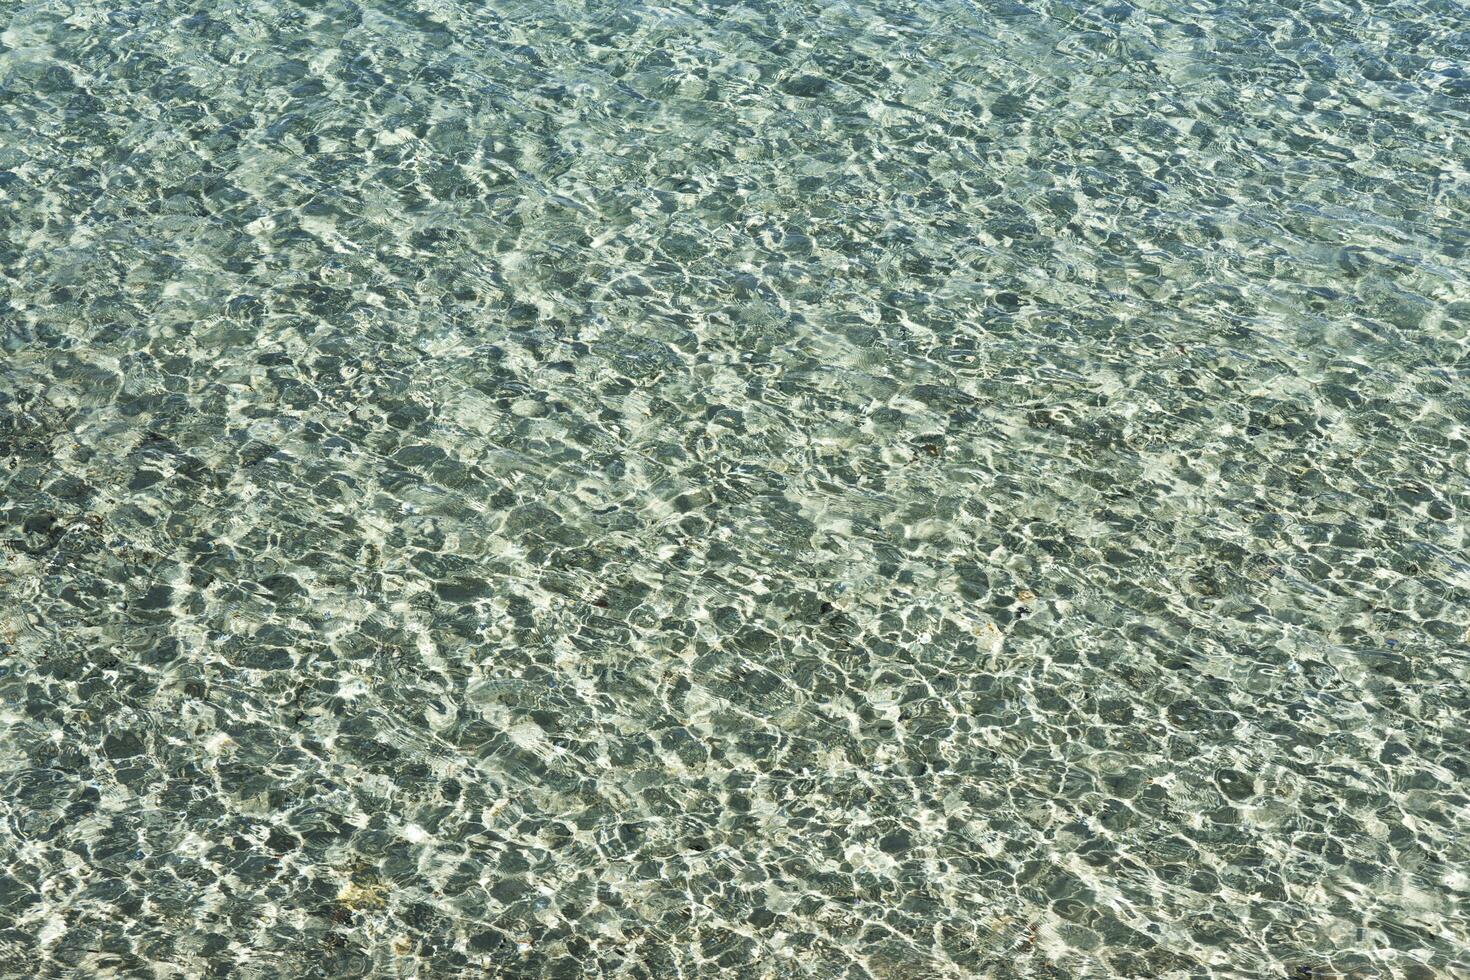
{"x": 751, "y": 489}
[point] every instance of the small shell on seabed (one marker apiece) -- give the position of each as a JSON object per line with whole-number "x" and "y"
{"x": 355, "y": 896}
{"x": 990, "y": 637}
{"x": 1025, "y": 595}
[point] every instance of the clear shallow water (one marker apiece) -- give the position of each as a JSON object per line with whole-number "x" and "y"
{"x": 774, "y": 490}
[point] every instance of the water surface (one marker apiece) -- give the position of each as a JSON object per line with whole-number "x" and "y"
{"x": 753, "y": 489}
